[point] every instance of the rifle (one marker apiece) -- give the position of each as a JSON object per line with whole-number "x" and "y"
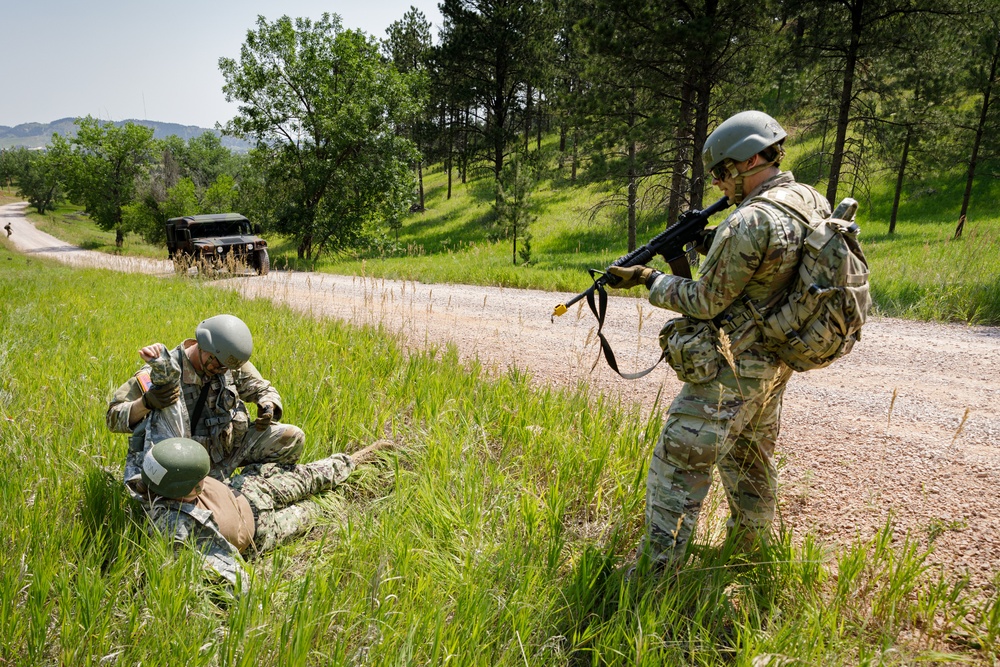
{"x": 669, "y": 243}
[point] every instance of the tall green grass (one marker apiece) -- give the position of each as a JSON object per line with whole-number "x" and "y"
{"x": 496, "y": 537}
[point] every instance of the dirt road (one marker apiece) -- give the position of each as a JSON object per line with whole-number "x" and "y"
{"x": 847, "y": 463}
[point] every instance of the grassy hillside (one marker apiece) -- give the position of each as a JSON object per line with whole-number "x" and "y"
{"x": 494, "y": 538}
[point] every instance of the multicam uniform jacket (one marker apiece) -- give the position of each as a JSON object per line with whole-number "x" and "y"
{"x": 187, "y": 523}
{"x": 224, "y": 420}
{"x": 755, "y": 252}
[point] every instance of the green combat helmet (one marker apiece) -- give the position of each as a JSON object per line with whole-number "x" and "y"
{"x": 173, "y": 467}
{"x": 227, "y": 338}
{"x": 739, "y": 138}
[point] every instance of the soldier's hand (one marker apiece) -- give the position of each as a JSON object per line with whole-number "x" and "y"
{"x": 704, "y": 241}
{"x": 265, "y": 415}
{"x": 161, "y": 396}
{"x": 151, "y": 352}
{"x": 630, "y": 276}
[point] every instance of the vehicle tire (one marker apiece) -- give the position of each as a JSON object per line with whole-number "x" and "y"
{"x": 262, "y": 262}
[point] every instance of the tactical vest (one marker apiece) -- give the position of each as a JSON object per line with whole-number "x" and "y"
{"x": 224, "y": 418}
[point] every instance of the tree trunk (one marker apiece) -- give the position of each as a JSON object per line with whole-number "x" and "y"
{"x": 527, "y": 119}
{"x": 632, "y": 174}
{"x": 846, "y": 93}
{"x": 682, "y": 137}
{"x": 562, "y": 143}
{"x": 420, "y": 181}
{"x": 703, "y": 92}
{"x": 449, "y": 177}
{"x": 899, "y": 179}
{"x": 538, "y": 125}
{"x": 463, "y": 167}
{"x": 980, "y": 129}
{"x": 572, "y": 175}
{"x": 305, "y": 247}
{"x": 119, "y": 237}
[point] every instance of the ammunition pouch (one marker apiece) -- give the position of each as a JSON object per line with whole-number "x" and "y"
{"x": 691, "y": 348}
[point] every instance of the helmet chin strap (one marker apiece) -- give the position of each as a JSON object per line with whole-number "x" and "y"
{"x": 738, "y": 176}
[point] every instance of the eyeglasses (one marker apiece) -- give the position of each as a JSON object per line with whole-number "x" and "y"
{"x": 720, "y": 171}
{"x": 214, "y": 362}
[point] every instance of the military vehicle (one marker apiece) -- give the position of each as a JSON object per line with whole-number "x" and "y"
{"x": 216, "y": 241}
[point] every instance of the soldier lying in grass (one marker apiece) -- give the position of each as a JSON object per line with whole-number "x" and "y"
{"x": 264, "y": 506}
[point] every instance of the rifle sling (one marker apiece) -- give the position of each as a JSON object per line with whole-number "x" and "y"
{"x": 200, "y": 405}
{"x": 609, "y": 355}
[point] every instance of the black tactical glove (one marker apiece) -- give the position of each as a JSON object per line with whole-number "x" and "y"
{"x": 265, "y": 415}
{"x": 161, "y": 396}
{"x": 630, "y": 276}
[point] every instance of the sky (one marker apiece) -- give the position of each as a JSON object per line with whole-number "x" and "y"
{"x": 118, "y": 59}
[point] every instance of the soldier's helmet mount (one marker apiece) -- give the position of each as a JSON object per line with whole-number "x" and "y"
{"x": 226, "y": 337}
{"x": 173, "y": 467}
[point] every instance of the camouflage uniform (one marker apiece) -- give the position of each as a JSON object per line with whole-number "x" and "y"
{"x": 224, "y": 427}
{"x": 731, "y": 421}
{"x": 280, "y": 500}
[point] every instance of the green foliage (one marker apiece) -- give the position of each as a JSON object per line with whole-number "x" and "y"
{"x": 322, "y": 106}
{"x": 513, "y": 206}
{"x": 220, "y": 196}
{"x": 40, "y": 175}
{"x": 106, "y": 166}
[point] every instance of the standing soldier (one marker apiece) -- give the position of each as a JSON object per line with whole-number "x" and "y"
{"x": 213, "y": 376}
{"x": 727, "y": 415}
{"x": 9, "y": 229}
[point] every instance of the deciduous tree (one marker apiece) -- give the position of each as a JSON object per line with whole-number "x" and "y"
{"x": 323, "y": 108}
{"x": 108, "y": 160}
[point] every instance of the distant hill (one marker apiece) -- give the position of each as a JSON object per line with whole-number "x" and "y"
{"x": 38, "y": 135}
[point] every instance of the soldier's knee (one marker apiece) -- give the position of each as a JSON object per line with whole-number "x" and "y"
{"x": 292, "y": 440}
{"x": 690, "y": 443}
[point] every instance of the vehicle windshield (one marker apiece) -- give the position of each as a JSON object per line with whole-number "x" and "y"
{"x": 221, "y": 228}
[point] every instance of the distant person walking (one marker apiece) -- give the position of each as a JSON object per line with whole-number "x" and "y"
{"x": 9, "y": 230}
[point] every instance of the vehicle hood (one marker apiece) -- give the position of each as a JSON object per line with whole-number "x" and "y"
{"x": 226, "y": 240}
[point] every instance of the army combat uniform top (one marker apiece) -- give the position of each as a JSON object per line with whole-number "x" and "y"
{"x": 732, "y": 420}
{"x": 223, "y": 427}
{"x": 262, "y": 507}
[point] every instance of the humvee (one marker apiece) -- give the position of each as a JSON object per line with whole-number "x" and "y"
{"x": 216, "y": 240}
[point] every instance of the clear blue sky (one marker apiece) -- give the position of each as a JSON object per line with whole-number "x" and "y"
{"x": 116, "y": 60}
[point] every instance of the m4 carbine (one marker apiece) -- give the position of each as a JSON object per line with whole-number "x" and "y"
{"x": 669, "y": 243}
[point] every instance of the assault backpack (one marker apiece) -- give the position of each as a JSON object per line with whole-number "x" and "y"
{"x": 819, "y": 318}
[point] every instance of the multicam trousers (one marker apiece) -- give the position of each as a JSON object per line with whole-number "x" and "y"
{"x": 280, "y": 495}
{"x": 731, "y": 422}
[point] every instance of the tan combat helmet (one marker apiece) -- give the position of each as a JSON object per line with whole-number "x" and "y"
{"x": 739, "y": 138}
{"x": 227, "y": 338}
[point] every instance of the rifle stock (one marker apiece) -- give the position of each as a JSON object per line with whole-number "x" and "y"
{"x": 669, "y": 243}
